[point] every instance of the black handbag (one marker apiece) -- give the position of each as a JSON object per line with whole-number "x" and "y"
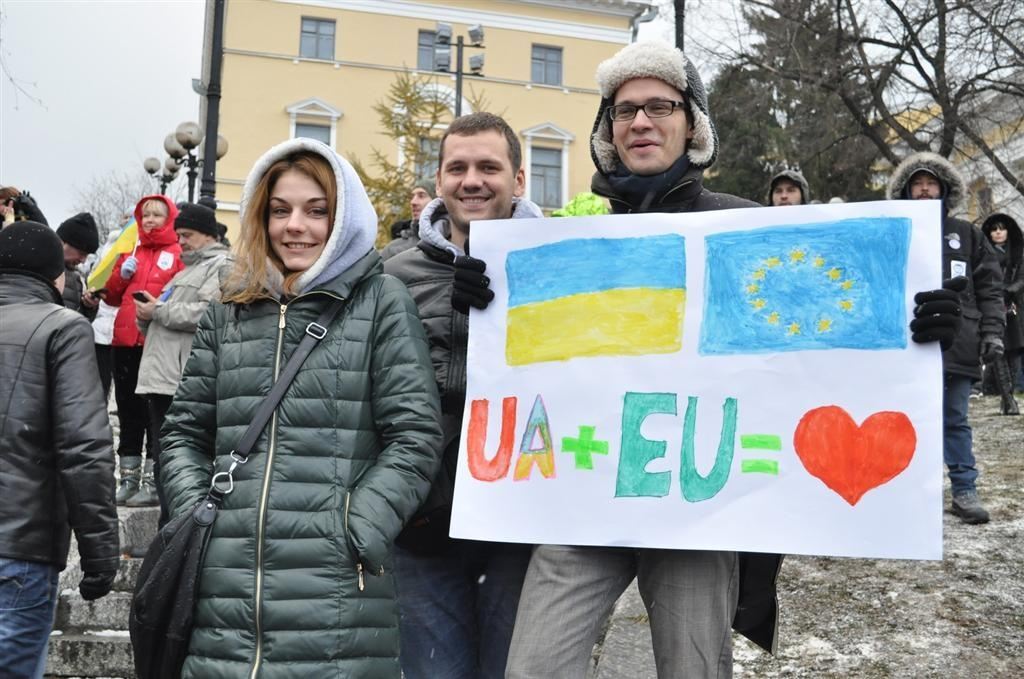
{"x": 160, "y": 623}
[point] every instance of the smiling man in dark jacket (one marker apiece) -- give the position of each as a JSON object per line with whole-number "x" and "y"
{"x": 457, "y": 598}
{"x": 58, "y": 456}
{"x": 965, "y": 253}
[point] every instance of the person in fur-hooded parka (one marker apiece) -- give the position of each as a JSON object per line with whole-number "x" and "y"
{"x": 966, "y": 253}
{"x": 792, "y": 177}
{"x": 297, "y": 581}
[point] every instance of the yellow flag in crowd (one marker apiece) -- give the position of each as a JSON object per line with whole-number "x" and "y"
{"x": 125, "y": 243}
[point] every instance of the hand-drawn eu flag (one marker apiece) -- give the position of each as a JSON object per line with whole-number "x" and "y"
{"x": 596, "y": 297}
{"x": 827, "y": 285}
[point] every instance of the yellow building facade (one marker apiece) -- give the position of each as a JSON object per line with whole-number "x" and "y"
{"x": 318, "y": 67}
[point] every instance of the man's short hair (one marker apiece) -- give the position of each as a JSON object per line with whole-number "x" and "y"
{"x": 481, "y": 121}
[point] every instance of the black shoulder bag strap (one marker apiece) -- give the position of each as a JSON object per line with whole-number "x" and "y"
{"x": 224, "y": 482}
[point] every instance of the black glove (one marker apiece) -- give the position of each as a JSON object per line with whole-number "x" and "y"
{"x": 96, "y": 585}
{"x": 991, "y": 347}
{"x": 937, "y": 314}
{"x": 470, "y": 284}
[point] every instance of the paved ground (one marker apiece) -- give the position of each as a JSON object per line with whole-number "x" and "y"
{"x": 866, "y": 618}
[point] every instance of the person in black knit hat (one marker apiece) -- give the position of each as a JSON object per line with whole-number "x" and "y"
{"x": 30, "y": 247}
{"x": 81, "y": 238}
{"x": 57, "y": 448}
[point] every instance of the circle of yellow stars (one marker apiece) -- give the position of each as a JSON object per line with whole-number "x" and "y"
{"x": 834, "y": 275}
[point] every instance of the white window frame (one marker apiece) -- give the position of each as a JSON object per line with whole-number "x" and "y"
{"x": 314, "y": 111}
{"x": 548, "y": 132}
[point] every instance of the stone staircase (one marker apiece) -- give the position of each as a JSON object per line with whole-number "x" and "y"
{"x": 90, "y": 638}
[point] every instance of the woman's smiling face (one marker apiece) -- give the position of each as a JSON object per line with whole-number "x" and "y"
{"x": 298, "y": 223}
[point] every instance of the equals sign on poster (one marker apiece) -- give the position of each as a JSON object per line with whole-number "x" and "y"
{"x": 768, "y": 442}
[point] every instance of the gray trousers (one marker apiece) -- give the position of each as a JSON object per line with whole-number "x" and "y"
{"x": 570, "y": 591}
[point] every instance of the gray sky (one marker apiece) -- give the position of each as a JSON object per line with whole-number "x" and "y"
{"x": 104, "y": 82}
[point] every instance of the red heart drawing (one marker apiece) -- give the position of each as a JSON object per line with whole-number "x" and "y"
{"x": 852, "y": 460}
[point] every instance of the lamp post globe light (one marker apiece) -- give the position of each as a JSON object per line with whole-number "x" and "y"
{"x": 181, "y": 147}
{"x": 153, "y": 168}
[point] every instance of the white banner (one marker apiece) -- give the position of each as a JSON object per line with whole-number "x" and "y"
{"x": 731, "y": 380}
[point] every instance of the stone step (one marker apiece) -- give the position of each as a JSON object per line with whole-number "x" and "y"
{"x": 90, "y": 655}
{"x": 75, "y": 614}
{"x": 137, "y": 527}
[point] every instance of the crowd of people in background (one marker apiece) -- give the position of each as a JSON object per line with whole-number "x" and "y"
{"x": 333, "y": 545}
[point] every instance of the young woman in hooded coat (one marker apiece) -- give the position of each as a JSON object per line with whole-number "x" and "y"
{"x": 297, "y": 579}
{"x": 1008, "y": 241}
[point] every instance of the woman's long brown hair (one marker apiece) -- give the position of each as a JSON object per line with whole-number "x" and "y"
{"x": 249, "y": 279}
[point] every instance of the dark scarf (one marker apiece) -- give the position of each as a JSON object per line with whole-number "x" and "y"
{"x": 643, "y": 191}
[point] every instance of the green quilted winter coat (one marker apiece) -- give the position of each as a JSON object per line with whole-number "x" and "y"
{"x": 297, "y": 581}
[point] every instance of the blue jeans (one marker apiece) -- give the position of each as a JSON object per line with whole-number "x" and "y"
{"x": 458, "y": 609}
{"x": 28, "y": 597}
{"x": 957, "y": 439}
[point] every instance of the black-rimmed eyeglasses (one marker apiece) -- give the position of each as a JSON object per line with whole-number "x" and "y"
{"x": 659, "y": 108}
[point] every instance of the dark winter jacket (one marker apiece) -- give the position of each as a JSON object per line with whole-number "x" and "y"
{"x": 965, "y": 252}
{"x": 57, "y": 461}
{"x": 297, "y": 580}
{"x": 74, "y": 286}
{"x": 406, "y": 238}
{"x": 159, "y": 259}
{"x": 429, "y": 274}
{"x": 757, "y": 610}
{"x": 1011, "y": 261}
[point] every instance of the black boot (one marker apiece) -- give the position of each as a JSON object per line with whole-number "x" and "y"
{"x": 1005, "y": 381}
{"x": 131, "y": 472}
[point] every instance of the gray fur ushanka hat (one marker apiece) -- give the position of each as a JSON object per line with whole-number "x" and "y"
{"x": 654, "y": 59}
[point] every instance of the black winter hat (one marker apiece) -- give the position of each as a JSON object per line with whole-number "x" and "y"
{"x": 80, "y": 232}
{"x": 197, "y": 218}
{"x": 30, "y": 247}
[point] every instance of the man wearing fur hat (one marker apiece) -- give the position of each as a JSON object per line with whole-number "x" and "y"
{"x": 58, "y": 454}
{"x": 653, "y": 138}
{"x": 788, "y": 187}
{"x": 966, "y": 253}
{"x": 81, "y": 238}
{"x": 405, "y": 234}
{"x": 169, "y": 323}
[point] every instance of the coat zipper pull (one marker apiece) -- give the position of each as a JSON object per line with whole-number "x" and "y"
{"x": 280, "y": 321}
{"x": 362, "y": 583}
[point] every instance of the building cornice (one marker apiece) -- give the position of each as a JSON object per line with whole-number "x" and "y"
{"x": 398, "y": 69}
{"x": 433, "y": 13}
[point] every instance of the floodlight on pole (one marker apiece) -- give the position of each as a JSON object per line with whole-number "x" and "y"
{"x": 443, "y": 56}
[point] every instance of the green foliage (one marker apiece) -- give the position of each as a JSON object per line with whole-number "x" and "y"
{"x": 408, "y": 114}
{"x": 414, "y": 116}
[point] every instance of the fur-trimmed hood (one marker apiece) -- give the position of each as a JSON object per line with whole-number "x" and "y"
{"x": 953, "y": 187}
{"x": 794, "y": 176}
{"x": 434, "y": 225}
{"x": 654, "y": 59}
{"x": 354, "y": 230}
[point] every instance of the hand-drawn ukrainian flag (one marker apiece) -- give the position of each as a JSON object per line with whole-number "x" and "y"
{"x": 596, "y": 297}
{"x": 827, "y": 285}
{"x": 125, "y": 243}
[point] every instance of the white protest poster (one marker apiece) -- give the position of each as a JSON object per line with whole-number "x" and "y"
{"x": 732, "y": 380}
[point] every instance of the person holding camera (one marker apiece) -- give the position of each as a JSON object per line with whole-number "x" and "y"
{"x": 137, "y": 277}
{"x": 19, "y": 206}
